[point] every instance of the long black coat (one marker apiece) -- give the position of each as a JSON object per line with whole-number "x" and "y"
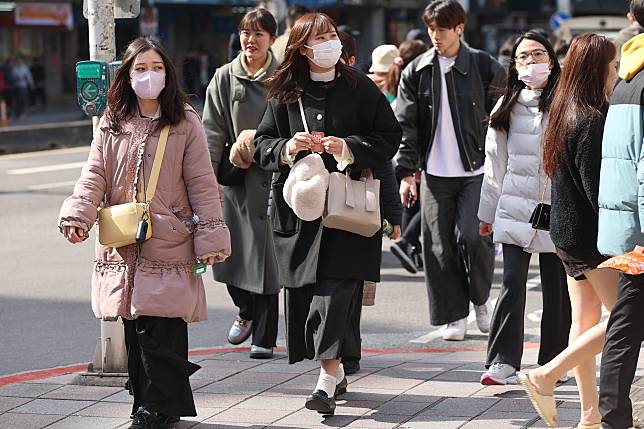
{"x": 360, "y": 114}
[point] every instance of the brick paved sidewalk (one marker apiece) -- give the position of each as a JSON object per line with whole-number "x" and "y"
{"x": 403, "y": 390}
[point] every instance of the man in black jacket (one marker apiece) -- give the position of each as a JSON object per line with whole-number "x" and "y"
{"x": 444, "y": 99}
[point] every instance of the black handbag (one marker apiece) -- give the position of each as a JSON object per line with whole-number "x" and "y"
{"x": 540, "y": 218}
{"x": 228, "y": 174}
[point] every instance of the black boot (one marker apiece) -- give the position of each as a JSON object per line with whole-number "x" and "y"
{"x": 404, "y": 251}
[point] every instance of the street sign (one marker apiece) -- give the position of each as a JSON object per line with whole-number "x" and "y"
{"x": 122, "y": 8}
{"x": 557, "y": 18}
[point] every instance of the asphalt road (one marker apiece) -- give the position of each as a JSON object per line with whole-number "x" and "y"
{"x": 45, "y": 316}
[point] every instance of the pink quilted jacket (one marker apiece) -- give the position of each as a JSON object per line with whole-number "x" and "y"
{"x": 186, "y": 219}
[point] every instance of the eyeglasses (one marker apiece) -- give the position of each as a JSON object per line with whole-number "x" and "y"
{"x": 538, "y": 55}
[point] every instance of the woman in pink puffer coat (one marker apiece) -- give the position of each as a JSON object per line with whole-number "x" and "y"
{"x": 151, "y": 285}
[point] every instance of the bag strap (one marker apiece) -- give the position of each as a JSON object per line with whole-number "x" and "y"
{"x": 543, "y": 194}
{"x": 371, "y": 197}
{"x": 156, "y": 166}
{"x": 306, "y": 126}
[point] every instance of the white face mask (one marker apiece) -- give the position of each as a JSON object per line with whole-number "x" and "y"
{"x": 326, "y": 54}
{"x": 534, "y": 75}
{"x": 148, "y": 85}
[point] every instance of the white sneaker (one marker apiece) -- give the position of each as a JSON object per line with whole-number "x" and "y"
{"x": 500, "y": 374}
{"x": 484, "y": 315}
{"x": 455, "y": 331}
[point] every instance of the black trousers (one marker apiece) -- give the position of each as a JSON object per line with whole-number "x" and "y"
{"x": 457, "y": 271}
{"x": 411, "y": 221}
{"x": 158, "y": 366}
{"x": 263, "y": 310}
{"x": 505, "y": 342}
{"x": 624, "y": 337}
{"x": 323, "y": 320}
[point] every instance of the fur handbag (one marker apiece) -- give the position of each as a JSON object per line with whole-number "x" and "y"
{"x": 305, "y": 187}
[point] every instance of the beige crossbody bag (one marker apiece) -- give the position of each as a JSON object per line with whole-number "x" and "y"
{"x": 130, "y": 223}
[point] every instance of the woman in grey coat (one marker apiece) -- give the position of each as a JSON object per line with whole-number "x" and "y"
{"x": 235, "y": 104}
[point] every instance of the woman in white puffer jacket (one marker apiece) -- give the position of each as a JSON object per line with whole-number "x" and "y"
{"x": 513, "y": 185}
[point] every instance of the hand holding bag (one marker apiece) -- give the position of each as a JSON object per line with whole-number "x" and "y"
{"x": 540, "y": 218}
{"x": 130, "y": 223}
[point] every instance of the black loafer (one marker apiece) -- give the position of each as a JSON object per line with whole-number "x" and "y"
{"x": 144, "y": 419}
{"x": 319, "y": 401}
{"x": 341, "y": 387}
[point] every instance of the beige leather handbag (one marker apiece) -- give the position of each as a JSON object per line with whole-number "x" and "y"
{"x": 353, "y": 205}
{"x": 118, "y": 225}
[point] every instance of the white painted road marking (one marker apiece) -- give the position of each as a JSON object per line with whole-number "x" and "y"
{"x": 43, "y": 153}
{"x": 46, "y": 168}
{"x": 54, "y": 185}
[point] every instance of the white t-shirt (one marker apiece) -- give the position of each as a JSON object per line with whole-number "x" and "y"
{"x": 444, "y": 159}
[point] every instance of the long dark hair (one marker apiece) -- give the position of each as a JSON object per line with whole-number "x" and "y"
{"x": 408, "y": 50}
{"x": 580, "y": 97}
{"x": 500, "y": 120}
{"x": 288, "y": 81}
{"x": 122, "y": 101}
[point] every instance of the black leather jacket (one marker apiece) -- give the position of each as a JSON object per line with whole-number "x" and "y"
{"x": 473, "y": 85}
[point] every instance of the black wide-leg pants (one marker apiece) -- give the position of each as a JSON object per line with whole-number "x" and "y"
{"x": 263, "y": 310}
{"x": 158, "y": 366}
{"x": 505, "y": 342}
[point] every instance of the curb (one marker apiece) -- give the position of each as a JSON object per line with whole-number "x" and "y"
{"x": 69, "y": 369}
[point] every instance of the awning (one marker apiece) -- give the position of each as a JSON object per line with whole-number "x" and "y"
{"x": 206, "y": 2}
{"x": 312, "y": 4}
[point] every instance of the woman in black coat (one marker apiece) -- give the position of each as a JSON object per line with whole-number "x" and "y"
{"x": 322, "y": 269}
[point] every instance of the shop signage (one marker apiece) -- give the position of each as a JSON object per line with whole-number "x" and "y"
{"x": 50, "y": 14}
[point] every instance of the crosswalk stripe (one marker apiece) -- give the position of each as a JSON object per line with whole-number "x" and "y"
{"x": 46, "y": 168}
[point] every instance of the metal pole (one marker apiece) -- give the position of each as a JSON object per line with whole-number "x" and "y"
{"x": 110, "y": 357}
{"x": 565, "y": 6}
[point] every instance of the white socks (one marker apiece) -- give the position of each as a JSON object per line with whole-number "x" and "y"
{"x": 326, "y": 382}
{"x": 339, "y": 376}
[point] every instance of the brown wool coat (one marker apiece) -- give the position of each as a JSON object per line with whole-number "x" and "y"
{"x": 158, "y": 280}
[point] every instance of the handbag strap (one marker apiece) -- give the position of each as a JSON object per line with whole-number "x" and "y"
{"x": 306, "y": 126}
{"x": 371, "y": 199}
{"x": 156, "y": 166}
{"x": 543, "y": 194}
